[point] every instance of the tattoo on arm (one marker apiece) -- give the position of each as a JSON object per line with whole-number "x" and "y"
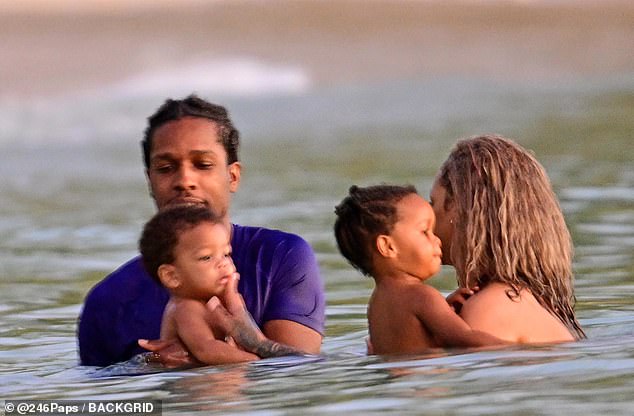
{"x": 268, "y": 348}
{"x": 247, "y": 334}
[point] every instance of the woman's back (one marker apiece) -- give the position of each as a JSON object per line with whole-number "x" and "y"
{"x": 516, "y": 319}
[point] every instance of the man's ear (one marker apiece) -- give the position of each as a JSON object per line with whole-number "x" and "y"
{"x": 234, "y": 170}
{"x": 168, "y": 276}
{"x": 385, "y": 246}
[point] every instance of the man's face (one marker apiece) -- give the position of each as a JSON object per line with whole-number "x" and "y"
{"x": 188, "y": 164}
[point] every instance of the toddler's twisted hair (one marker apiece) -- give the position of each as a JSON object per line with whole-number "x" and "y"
{"x": 362, "y": 216}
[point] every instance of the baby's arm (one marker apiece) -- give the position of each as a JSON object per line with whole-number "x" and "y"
{"x": 446, "y": 327}
{"x": 199, "y": 338}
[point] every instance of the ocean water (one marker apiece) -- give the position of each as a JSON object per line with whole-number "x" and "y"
{"x": 74, "y": 200}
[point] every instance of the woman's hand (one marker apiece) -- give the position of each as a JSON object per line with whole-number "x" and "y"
{"x": 458, "y": 297}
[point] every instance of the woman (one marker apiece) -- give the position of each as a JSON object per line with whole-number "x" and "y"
{"x": 501, "y": 227}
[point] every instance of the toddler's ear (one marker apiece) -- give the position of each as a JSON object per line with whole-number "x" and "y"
{"x": 385, "y": 246}
{"x": 168, "y": 276}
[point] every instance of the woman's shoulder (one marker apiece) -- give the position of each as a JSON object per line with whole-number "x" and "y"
{"x": 513, "y": 316}
{"x": 494, "y": 299}
{"x": 501, "y": 298}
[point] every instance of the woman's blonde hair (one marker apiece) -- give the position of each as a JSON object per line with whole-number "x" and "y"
{"x": 509, "y": 227}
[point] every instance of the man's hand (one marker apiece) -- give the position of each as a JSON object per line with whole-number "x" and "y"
{"x": 230, "y": 314}
{"x": 235, "y": 320}
{"x": 171, "y": 353}
{"x": 458, "y": 297}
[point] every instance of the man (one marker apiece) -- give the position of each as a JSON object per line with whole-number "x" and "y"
{"x": 191, "y": 157}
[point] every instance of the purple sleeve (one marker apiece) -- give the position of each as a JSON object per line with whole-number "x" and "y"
{"x": 297, "y": 290}
{"x": 91, "y": 329}
{"x": 125, "y": 306}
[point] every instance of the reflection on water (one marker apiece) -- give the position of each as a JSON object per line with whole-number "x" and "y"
{"x": 74, "y": 201}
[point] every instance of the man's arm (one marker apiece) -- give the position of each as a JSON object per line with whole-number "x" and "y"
{"x": 123, "y": 307}
{"x": 294, "y": 335}
{"x": 234, "y": 319}
{"x": 171, "y": 353}
{"x": 295, "y": 312}
{"x": 97, "y": 333}
{"x": 90, "y": 337}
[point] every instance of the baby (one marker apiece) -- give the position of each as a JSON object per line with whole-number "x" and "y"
{"x": 188, "y": 250}
{"x": 387, "y": 232}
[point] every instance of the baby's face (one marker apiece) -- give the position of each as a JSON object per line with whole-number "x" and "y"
{"x": 203, "y": 260}
{"x": 419, "y": 249}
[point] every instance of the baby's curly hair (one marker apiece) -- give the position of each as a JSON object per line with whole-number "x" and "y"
{"x": 362, "y": 216}
{"x": 161, "y": 234}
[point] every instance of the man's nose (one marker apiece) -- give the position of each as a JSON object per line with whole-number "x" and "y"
{"x": 185, "y": 178}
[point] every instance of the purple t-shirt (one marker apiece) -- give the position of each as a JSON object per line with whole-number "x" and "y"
{"x": 279, "y": 279}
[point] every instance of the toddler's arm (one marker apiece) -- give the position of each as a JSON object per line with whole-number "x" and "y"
{"x": 446, "y": 327}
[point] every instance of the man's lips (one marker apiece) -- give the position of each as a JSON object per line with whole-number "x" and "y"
{"x": 183, "y": 200}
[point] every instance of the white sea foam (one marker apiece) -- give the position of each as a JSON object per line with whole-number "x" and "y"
{"x": 223, "y": 77}
{"x": 107, "y": 112}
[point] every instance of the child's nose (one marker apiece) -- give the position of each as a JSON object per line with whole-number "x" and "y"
{"x": 227, "y": 264}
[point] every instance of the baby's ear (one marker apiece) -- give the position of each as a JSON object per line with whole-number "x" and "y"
{"x": 168, "y": 276}
{"x": 385, "y": 246}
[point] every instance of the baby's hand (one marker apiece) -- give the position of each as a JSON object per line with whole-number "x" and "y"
{"x": 459, "y": 296}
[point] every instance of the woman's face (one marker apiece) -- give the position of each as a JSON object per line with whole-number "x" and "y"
{"x": 445, "y": 218}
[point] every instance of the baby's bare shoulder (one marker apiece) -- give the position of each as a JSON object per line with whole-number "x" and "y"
{"x": 422, "y": 290}
{"x": 408, "y": 299}
{"x": 184, "y": 308}
{"x": 419, "y": 298}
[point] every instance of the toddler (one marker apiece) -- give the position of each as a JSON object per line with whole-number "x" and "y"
{"x": 387, "y": 232}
